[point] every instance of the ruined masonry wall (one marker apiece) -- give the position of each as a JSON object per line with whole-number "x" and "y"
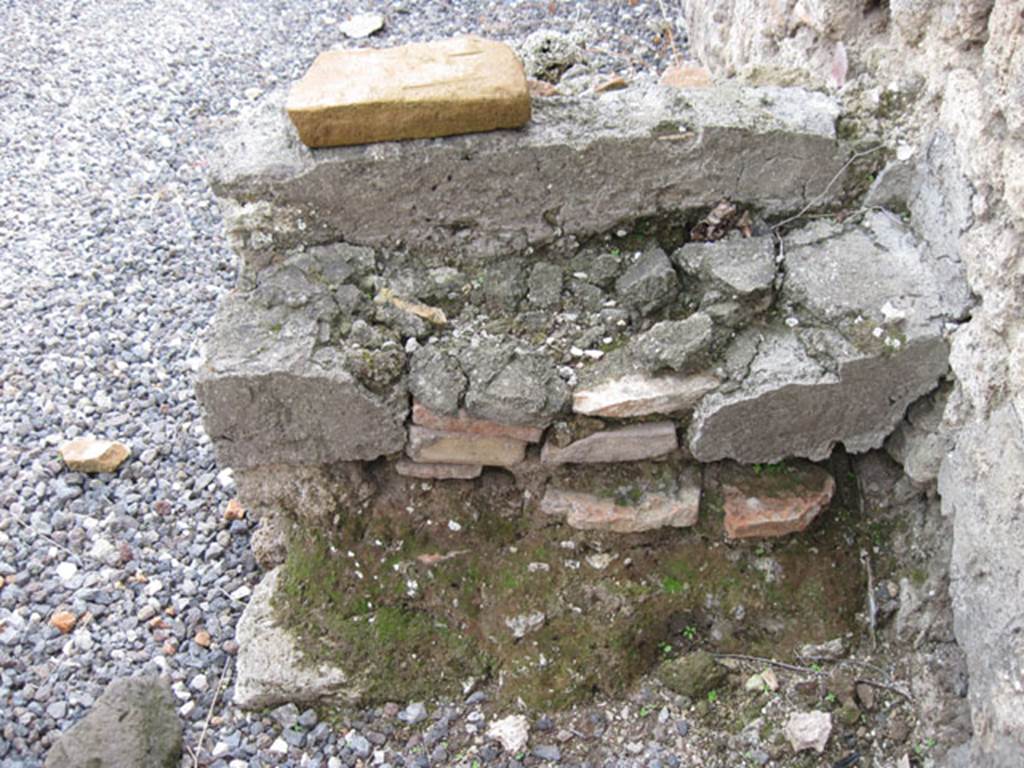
{"x": 941, "y": 83}
{"x": 604, "y": 336}
{"x": 595, "y": 305}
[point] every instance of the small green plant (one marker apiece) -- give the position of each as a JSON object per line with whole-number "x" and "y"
{"x": 646, "y": 710}
{"x": 924, "y": 747}
{"x": 666, "y": 649}
{"x": 712, "y": 696}
{"x": 830, "y": 697}
{"x": 690, "y": 632}
{"x": 671, "y": 585}
{"x": 816, "y": 667}
{"x": 769, "y": 470}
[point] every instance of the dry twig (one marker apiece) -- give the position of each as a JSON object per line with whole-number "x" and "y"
{"x": 668, "y": 30}
{"x": 209, "y": 715}
{"x": 871, "y": 606}
{"x": 40, "y": 534}
{"x": 886, "y": 686}
{"x": 772, "y": 662}
{"x": 816, "y": 672}
{"x": 776, "y": 229}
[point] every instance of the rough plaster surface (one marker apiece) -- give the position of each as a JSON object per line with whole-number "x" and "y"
{"x": 579, "y": 165}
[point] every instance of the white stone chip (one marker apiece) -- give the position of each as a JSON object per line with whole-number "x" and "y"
{"x": 362, "y": 25}
{"x": 511, "y": 732}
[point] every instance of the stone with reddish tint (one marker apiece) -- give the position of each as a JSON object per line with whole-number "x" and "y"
{"x": 633, "y": 443}
{"x": 686, "y": 76}
{"x": 414, "y": 91}
{"x": 234, "y": 510}
{"x": 463, "y": 422}
{"x": 671, "y": 501}
{"x": 63, "y": 621}
{"x": 433, "y": 446}
{"x": 87, "y": 454}
{"x": 773, "y": 500}
{"x": 407, "y": 468}
{"x": 636, "y": 394}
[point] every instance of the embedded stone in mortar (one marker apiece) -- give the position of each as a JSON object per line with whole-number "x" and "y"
{"x": 681, "y": 345}
{"x": 735, "y": 267}
{"x": 497, "y": 382}
{"x": 876, "y": 270}
{"x": 864, "y": 310}
{"x": 650, "y": 282}
{"x": 635, "y": 442}
{"x": 463, "y": 422}
{"x": 639, "y": 394}
{"x": 775, "y": 500}
{"x": 510, "y": 386}
{"x": 737, "y": 274}
{"x": 631, "y": 507}
{"x": 270, "y": 667}
{"x": 430, "y": 446}
{"x": 419, "y": 90}
{"x": 436, "y": 379}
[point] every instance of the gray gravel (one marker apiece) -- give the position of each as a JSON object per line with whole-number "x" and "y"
{"x": 111, "y": 262}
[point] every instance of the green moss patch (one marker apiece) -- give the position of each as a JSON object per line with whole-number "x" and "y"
{"x": 424, "y": 590}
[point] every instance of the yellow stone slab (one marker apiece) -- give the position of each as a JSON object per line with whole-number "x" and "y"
{"x": 422, "y": 90}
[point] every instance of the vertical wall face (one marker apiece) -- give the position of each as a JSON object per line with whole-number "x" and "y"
{"x": 566, "y": 303}
{"x": 944, "y": 80}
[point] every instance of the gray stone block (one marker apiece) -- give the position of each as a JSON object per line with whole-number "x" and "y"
{"x": 681, "y": 345}
{"x": 436, "y": 379}
{"x": 271, "y": 669}
{"x": 511, "y": 386}
{"x": 739, "y": 269}
{"x": 650, "y": 282}
{"x": 792, "y": 406}
{"x": 544, "y": 285}
{"x": 865, "y": 309}
{"x": 581, "y": 166}
{"x": 876, "y": 271}
{"x": 134, "y": 723}
{"x": 272, "y": 393}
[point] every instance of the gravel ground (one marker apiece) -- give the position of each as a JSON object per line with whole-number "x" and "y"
{"x": 111, "y": 262}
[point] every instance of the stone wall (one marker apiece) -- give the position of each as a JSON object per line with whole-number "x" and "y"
{"x": 580, "y": 296}
{"x": 498, "y": 399}
{"x": 948, "y": 79}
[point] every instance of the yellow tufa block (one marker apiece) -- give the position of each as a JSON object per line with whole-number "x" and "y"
{"x": 422, "y": 90}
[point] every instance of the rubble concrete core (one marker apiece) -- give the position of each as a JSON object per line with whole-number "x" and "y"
{"x": 458, "y": 374}
{"x": 940, "y": 83}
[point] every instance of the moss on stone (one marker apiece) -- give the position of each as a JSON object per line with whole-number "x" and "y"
{"x": 692, "y": 675}
{"x": 420, "y": 606}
